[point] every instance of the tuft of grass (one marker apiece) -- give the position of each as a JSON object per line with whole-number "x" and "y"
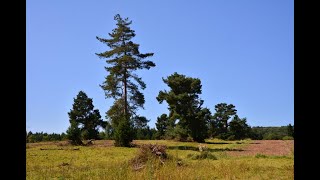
{"x": 260, "y": 156}
{"x": 202, "y": 155}
{"x": 272, "y": 157}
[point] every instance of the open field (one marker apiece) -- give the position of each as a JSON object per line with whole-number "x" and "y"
{"x": 235, "y": 160}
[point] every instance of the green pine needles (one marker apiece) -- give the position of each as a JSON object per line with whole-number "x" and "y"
{"x": 122, "y": 84}
{"x": 84, "y": 120}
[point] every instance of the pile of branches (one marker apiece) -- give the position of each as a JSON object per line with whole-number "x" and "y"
{"x": 148, "y": 152}
{"x": 202, "y": 147}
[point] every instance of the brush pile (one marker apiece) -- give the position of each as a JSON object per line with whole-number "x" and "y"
{"x": 149, "y": 152}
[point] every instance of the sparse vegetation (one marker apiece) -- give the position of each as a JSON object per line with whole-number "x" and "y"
{"x": 202, "y": 155}
{"x": 260, "y": 156}
{"x": 104, "y": 161}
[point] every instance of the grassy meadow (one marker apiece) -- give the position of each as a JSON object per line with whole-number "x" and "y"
{"x": 57, "y": 160}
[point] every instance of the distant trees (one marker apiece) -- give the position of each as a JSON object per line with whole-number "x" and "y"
{"x": 122, "y": 83}
{"x": 141, "y": 128}
{"x": 222, "y": 115}
{"x": 221, "y": 127}
{"x": 161, "y": 125}
{"x": 188, "y": 118}
{"x": 239, "y": 128}
{"x": 290, "y": 130}
{"x": 109, "y": 131}
{"x": 41, "y": 136}
{"x": 84, "y": 119}
{"x": 271, "y": 133}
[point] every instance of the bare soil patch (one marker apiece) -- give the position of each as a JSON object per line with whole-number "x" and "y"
{"x": 266, "y": 147}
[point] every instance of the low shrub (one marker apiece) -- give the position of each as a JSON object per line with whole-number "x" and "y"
{"x": 272, "y": 136}
{"x": 202, "y": 155}
{"x": 287, "y": 138}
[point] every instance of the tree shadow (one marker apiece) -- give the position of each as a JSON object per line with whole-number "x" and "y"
{"x": 192, "y": 148}
{"x": 217, "y": 143}
{"x": 255, "y": 143}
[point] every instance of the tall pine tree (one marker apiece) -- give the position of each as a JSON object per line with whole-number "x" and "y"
{"x": 122, "y": 83}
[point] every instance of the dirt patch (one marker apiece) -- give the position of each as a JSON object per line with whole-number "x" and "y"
{"x": 266, "y": 147}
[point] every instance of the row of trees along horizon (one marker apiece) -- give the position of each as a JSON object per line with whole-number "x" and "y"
{"x": 147, "y": 133}
{"x": 187, "y": 119}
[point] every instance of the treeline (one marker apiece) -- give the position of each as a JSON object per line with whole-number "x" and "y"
{"x": 187, "y": 119}
{"x": 140, "y": 134}
{"x": 40, "y": 137}
{"x": 147, "y": 133}
{"x": 273, "y": 133}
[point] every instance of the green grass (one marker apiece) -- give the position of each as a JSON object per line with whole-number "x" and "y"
{"x": 113, "y": 163}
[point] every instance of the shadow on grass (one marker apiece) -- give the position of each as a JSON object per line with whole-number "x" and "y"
{"x": 217, "y": 143}
{"x": 197, "y": 149}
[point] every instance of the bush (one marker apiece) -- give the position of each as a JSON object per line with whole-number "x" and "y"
{"x": 202, "y": 155}
{"x": 272, "y": 136}
{"x": 287, "y": 138}
{"x": 124, "y": 134}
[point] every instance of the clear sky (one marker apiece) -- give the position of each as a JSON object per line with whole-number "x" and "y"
{"x": 241, "y": 50}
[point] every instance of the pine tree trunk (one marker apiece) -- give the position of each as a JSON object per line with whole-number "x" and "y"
{"x": 125, "y": 87}
{"x": 125, "y": 95}
{"x": 226, "y": 126}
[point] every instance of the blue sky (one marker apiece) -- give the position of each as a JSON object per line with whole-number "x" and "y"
{"x": 241, "y": 50}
